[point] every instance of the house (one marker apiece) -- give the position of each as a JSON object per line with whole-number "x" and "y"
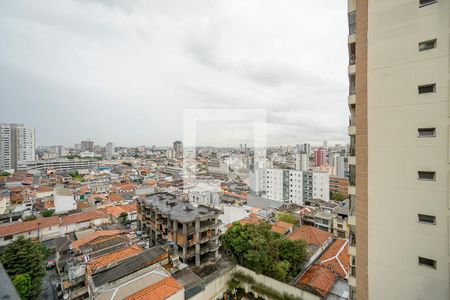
{"x": 327, "y": 278}
{"x": 5, "y": 201}
{"x": 41, "y": 229}
{"x": 116, "y": 210}
{"x": 282, "y": 228}
{"x": 83, "y": 220}
{"x": 64, "y": 201}
{"x": 317, "y": 240}
{"x": 44, "y": 191}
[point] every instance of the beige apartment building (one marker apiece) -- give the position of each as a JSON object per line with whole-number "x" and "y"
{"x": 400, "y": 156}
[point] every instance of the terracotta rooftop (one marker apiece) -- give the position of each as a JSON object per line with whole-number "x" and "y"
{"x": 83, "y": 217}
{"x": 109, "y": 258}
{"x": 311, "y": 235}
{"x": 28, "y": 226}
{"x": 336, "y": 257}
{"x": 158, "y": 291}
{"x": 115, "y": 197}
{"x": 92, "y": 237}
{"x": 44, "y": 189}
{"x": 319, "y": 278}
{"x": 281, "y": 227}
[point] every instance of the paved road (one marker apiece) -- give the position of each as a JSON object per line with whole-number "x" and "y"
{"x": 48, "y": 291}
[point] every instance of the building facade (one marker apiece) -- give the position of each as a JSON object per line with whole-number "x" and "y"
{"x": 320, "y": 156}
{"x": 17, "y": 144}
{"x": 193, "y": 230}
{"x": 399, "y": 153}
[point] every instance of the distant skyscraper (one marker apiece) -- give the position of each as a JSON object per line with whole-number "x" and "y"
{"x": 301, "y": 162}
{"x": 87, "y": 145}
{"x": 339, "y": 164}
{"x": 17, "y": 143}
{"x": 325, "y": 145}
{"x": 178, "y": 148}
{"x": 110, "y": 149}
{"x": 319, "y": 157}
{"x": 305, "y": 148}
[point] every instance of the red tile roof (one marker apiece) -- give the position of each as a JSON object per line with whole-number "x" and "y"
{"x": 44, "y": 189}
{"x": 336, "y": 257}
{"x": 311, "y": 235}
{"x": 28, "y": 226}
{"x": 92, "y": 237}
{"x": 319, "y": 278}
{"x": 281, "y": 227}
{"x": 158, "y": 291}
{"x": 49, "y": 204}
{"x": 83, "y": 217}
{"x": 109, "y": 258}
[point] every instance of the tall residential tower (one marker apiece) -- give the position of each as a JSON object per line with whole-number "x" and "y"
{"x": 399, "y": 155}
{"x": 17, "y": 143}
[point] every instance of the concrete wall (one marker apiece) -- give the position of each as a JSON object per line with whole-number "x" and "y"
{"x": 396, "y": 68}
{"x": 218, "y": 286}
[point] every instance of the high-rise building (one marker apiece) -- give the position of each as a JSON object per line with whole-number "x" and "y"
{"x": 87, "y": 146}
{"x": 305, "y": 148}
{"x": 399, "y": 153}
{"x": 17, "y": 144}
{"x": 339, "y": 166}
{"x": 110, "y": 149}
{"x": 295, "y": 186}
{"x": 325, "y": 145}
{"x": 178, "y": 148}
{"x": 320, "y": 155}
{"x": 301, "y": 162}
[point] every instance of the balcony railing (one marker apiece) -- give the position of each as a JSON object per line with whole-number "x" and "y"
{"x": 352, "y": 59}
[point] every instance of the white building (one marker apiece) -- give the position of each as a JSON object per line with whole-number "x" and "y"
{"x": 257, "y": 178}
{"x": 205, "y": 194}
{"x": 321, "y": 186}
{"x": 110, "y": 149}
{"x": 17, "y": 144}
{"x": 296, "y": 186}
{"x": 301, "y": 162}
{"x": 274, "y": 184}
{"x": 64, "y": 201}
{"x": 339, "y": 166}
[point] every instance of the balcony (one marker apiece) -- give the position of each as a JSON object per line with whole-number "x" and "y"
{"x": 352, "y": 220}
{"x": 352, "y": 190}
{"x": 352, "y": 69}
{"x": 351, "y": 130}
{"x": 351, "y": 250}
{"x": 352, "y": 99}
{"x": 352, "y": 160}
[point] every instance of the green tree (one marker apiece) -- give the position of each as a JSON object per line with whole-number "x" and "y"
{"x": 258, "y": 248}
{"x": 123, "y": 218}
{"x": 25, "y": 257}
{"x": 47, "y": 213}
{"x": 4, "y": 174}
{"x": 30, "y": 218}
{"x": 336, "y": 196}
{"x": 22, "y": 283}
{"x": 287, "y": 217}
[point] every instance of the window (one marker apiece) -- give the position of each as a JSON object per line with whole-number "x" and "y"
{"x": 423, "y": 3}
{"x": 427, "y": 262}
{"x": 427, "y": 88}
{"x": 426, "y": 175}
{"x": 427, "y": 132}
{"x": 427, "y": 219}
{"x": 352, "y": 22}
{"x": 427, "y": 45}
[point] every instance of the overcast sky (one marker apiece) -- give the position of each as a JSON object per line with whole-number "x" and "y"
{"x": 123, "y": 71}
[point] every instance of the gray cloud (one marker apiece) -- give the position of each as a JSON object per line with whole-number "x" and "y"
{"x": 123, "y": 71}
